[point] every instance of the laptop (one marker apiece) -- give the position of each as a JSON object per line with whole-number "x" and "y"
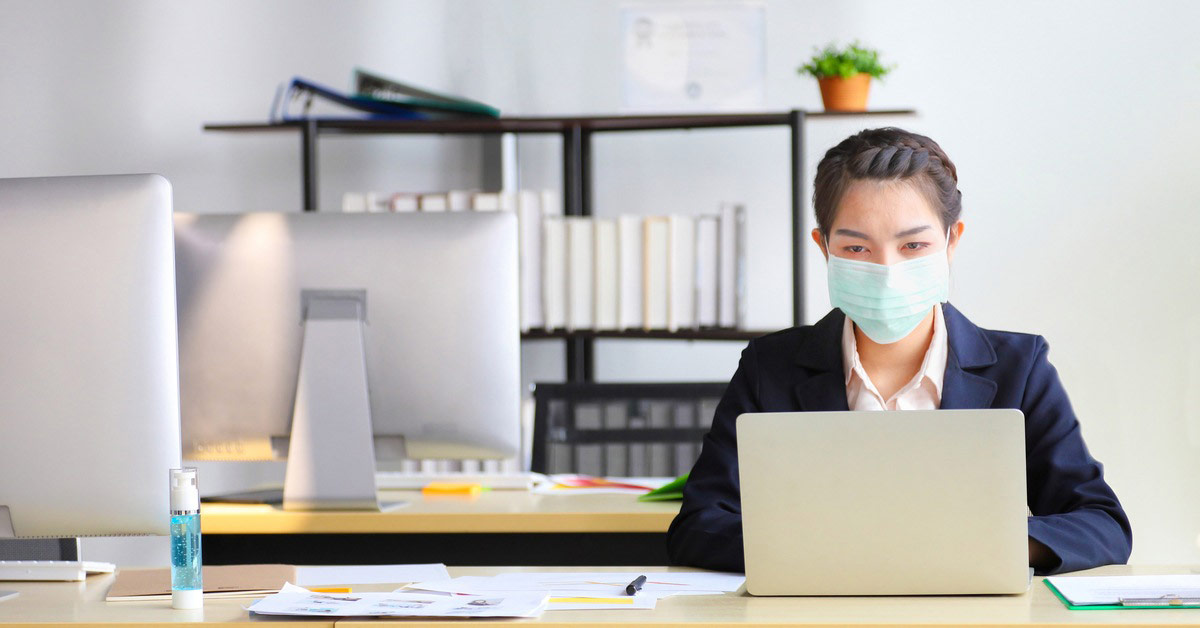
{"x": 884, "y": 503}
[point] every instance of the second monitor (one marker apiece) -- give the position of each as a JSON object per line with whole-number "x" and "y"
{"x": 321, "y": 326}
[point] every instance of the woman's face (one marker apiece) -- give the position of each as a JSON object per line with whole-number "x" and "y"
{"x": 885, "y": 222}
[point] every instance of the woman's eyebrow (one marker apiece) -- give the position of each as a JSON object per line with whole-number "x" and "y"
{"x": 913, "y": 231}
{"x": 852, "y": 234}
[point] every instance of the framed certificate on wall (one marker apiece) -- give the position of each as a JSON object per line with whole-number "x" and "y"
{"x": 693, "y": 56}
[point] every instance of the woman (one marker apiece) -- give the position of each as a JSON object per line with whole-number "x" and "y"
{"x": 887, "y": 207}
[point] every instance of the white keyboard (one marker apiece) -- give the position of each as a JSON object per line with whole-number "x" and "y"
{"x": 404, "y": 480}
{"x": 60, "y": 570}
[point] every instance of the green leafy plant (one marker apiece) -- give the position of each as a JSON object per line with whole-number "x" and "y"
{"x": 844, "y": 62}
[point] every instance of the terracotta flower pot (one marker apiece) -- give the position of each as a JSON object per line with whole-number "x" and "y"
{"x": 849, "y": 94}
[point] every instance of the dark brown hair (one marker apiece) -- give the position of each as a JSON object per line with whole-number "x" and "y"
{"x": 887, "y": 154}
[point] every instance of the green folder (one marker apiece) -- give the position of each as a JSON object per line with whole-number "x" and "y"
{"x": 670, "y": 491}
{"x": 1108, "y": 607}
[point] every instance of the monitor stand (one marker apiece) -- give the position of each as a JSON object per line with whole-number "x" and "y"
{"x": 331, "y": 458}
{"x": 6, "y": 524}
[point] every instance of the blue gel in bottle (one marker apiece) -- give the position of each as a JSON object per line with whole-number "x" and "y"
{"x": 187, "y": 588}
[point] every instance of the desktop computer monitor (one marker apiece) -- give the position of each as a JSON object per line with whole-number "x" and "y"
{"x": 89, "y": 388}
{"x": 366, "y": 335}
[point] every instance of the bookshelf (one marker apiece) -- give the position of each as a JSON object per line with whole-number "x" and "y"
{"x": 576, "y": 133}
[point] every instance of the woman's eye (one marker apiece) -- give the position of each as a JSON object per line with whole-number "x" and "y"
{"x": 915, "y": 246}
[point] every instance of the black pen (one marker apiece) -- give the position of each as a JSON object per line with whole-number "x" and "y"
{"x": 635, "y": 586}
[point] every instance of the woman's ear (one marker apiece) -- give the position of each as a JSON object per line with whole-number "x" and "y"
{"x": 816, "y": 237}
{"x": 956, "y": 232}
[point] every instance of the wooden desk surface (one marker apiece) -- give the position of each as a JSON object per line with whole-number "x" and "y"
{"x": 83, "y": 604}
{"x": 491, "y": 511}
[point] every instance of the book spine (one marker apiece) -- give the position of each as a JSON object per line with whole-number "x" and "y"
{"x": 433, "y": 203}
{"x": 606, "y": 299}
{"x": 580, "y": 262}
{"x": 529, "y": 217}
{"x": 655, "y": 277}
{"x": 681, "y": 312}
{"x": 707, "y": 228}
{"x": 630, "y": 247}
{"x": 554, "y": 264}
{"x": 727, "y": 260}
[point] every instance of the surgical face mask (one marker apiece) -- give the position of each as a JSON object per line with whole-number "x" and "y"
{"x": 888, "y": 302}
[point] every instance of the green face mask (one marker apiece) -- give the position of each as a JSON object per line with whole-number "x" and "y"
{"x": 888, "y": 302}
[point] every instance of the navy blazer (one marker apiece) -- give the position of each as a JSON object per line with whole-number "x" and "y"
{"x": 1075, "y": 513}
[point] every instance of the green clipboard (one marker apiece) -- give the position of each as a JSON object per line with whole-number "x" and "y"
{"x": 670, "y": 491}
{"x": 1109, "y": 607}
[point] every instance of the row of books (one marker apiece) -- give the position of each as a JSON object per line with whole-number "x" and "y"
{"x": 633, "y": 272}
{"x": 608, "y": 274}
{"x": 453, "y": 200}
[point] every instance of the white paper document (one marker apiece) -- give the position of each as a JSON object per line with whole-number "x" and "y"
{"x": 1110, "y": 590}
{"x": 297, "y": 601}
{"x": 369, "y": 574}
{"x": 583, "y": 584}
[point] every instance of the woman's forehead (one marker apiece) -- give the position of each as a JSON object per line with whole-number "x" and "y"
{"x": 884, "y": 206}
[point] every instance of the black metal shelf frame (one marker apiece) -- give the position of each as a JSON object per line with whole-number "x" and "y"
{"x": 576, "y": 133}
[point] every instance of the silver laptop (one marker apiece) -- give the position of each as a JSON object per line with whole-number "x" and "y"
{"x": 884, "y": 503}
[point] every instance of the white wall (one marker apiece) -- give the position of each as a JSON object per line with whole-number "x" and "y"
{"x": 1074, "y": 127}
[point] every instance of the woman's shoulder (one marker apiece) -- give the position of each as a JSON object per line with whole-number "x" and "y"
{"x": 817, "y": 345}
{"x": 783, "y": 342}
{"x": 1007, "y": 346}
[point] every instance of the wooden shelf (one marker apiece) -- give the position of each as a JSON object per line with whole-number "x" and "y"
{"x": 577, "y": 133}
{"x": 638, "y": 334}
{"x": 351, "y": 126}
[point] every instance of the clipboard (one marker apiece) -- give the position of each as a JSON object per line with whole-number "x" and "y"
{"x": 1127, "y": 603}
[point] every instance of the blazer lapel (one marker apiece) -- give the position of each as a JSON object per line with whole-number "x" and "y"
{"x": 821, "y": 354}
{"x": 969, "y": 349}
{"x": 823, "y": 392}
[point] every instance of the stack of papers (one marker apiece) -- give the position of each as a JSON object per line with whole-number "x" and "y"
{"x": 297, "y": 601}
{"x": 590, "y": 591}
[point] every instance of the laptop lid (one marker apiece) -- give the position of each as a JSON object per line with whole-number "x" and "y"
{"x": 884, "y": 503}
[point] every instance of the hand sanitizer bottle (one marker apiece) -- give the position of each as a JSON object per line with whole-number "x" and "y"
{"x": 187, "y": 590}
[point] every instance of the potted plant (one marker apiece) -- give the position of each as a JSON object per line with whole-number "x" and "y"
{"x": 844, "y": 75}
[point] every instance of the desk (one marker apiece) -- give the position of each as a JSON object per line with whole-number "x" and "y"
{"x": 495, "y": 528}
{"x": 77, "y": 603}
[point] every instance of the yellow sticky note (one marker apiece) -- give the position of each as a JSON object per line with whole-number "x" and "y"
{"x": 451, "y": 488}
